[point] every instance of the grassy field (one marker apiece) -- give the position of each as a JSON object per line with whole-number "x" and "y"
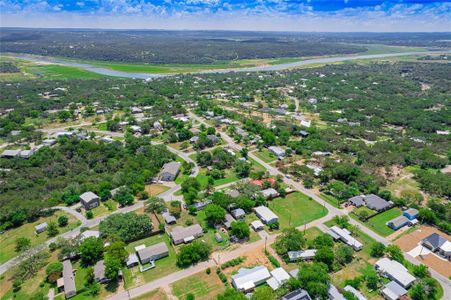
{"x": 380, "y": 49}
{"x": 155, "y": 189}
{"x": 265, "y": 155}
{"x": 209, "y": 237}
{"x": 378, "y": 223}
{"x": 330, "y": 199}
{"x": 201, "y": 285}
{"x": 8, "y": 238}
{"x": 359, "y": 210}
{"x": 296, "y": 209}
{"x": 154, "y": 295}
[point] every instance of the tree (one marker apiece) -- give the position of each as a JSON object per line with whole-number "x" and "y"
{"x": 263, "y": 293}
{"x": 395, "y": 253}
{"x": 54, "y": 271}
{"x": 420, "y": 271}
{"x": 126, "y": 226}
{"x": 377, "y": 249}
{"x": 63, "y": 221}
{"x": 22, "y": 244}
{"x": 325, "y": 255}
{"x": 190, "y": 297}
{"x": 89, "y": 215}
{"x": 91, "y": 250}
{"x": 231, "y": 294}
{"x": 314, "y": 278}
{"x": 372, "y": 280}
{"x": 349, "y": 296}
{"x": 242, "y": 168}
{"x": 240, "y": 229}
{"x": 193, "y": 253}
{"x": 155, "y": 204}
{"x": 214, "y": 213}
{"x": 291, "y": 239}
{"x": 417, "y": 292}
{"x": 344, "y": 254}
{"x": 52, "y": 229}
{"x": 124, "y": 196}
{"x": 112, "y": 266}
{"x": 323, "y": 240}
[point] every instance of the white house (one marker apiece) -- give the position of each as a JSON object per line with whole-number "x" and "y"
{"x": 344, "y": 235}
{"x": 277, "y": 151}
{"x": 395, "y": 271}
{"x": 266, "y": 215}
{"x": 247, "y": 279}
{"x": 279, "y": 277}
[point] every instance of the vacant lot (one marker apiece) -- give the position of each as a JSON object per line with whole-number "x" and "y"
{"x": 154, "y": 295}
{"x": 378, "y": 223}
{"x": 296, "y": 209}
{"x": 265, "y": 155}
{"x": 201, "y": 285}
{"x": 155, "y": 189}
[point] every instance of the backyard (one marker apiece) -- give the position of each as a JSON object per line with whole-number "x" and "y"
{"x": 378, "y": 223}
{"x": 265, "y": 155}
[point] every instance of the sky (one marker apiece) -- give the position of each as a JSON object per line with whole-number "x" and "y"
{"x": 272, "y": 15}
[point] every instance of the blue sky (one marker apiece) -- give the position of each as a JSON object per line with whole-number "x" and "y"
{"x": 290, "y": 15}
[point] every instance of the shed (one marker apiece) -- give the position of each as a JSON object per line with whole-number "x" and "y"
{"x": 40, "y": 227}
{"x": 398, "y": 222}
{"x": 153, "y": 252}
{"x": 132, "y": 260}
{"x": 218, "y": 237}
{"x": 393, "y": 291}
{"x": 168, "y": 218}
{"x": 411, "y": 213}
{"x": 257, "y": 225}
{"x": 89, "y": 200}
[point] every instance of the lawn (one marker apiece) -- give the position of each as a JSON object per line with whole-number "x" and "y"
{"x": 157, "y": 294}
{"x": 209, "y": 237}
{"x": 256, "y": 167}
{"x": 378, "y": 223}
{"x": 359, "y": 210}
{"x": 296, "y": 209}
{"x": 163, "y": 266}
{"x": 265, "y": 155}
{"x": 331, "y": 200}
{"x": 52, "y": 72}
{"x": 8, "y": 238}
{"x": 155, "y": 189}
{"x": 201, "y": 285}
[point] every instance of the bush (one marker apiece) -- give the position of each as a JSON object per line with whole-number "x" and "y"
{"x": 274, "y": 226}
{"x": 274, "y": 261}
{"x": 17, "y": 285}
{"x": 190, "y": 297}
{"x": 208, "y": 271}
{"x": 189, "y": 222}
{"x": 54, "y": 271}
{"x": 193, "y": 253}
{"x": 89, "y": 214}
{"x": 63, "y": 221}
{"x": 53, "y": 247}
{"x": 377, "y": 249}
{"x": 233, "y": 262}
{"x": 222, "y": 277}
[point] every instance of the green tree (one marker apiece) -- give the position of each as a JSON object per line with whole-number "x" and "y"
{"x": 264, "y": 293}
{"x": 325, "y": 255}
{"x": 52, "y": 229}
{"x": 214, "y": 213}
{"x": 240, "y": 229}
{"x": 395, "y": 252}
{"x": 155, "y": 204}
{"x": 314, "y": 278}
{"x": 91, "y": 250}
{"x": 344, "y": 254}
{"x": 112, "y": 266}
{"x": 124, "y": 196}
{"x": 193, "y": 253}
{"x": 22, "y": 244}
{"x": 126, "y": 226}
{"x": 291, "y": 239}
{"x": 372, "y": 280}
{"x": 63, "y": 221}
{"x": 54, "y": 271}
{"x": 323, "y": 240}
{"x": 420, "y": 271}
{"x": 231, "y": 294}
{"x": 377, "y": 249}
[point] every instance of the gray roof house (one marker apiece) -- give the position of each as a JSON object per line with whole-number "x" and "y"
{"x": 247, "y": 279}
{"x": 357, "y": 201}
{"x": 376, "y": 203}
{"x": 301, "y": 254}
{"x": 334, "y": 294}
{"x": 266, "y": 215}
{"x": 228, "y": 221}
{"x": 99, "y": 272}
{"x": 395, "y": 271}
{"x": 89, "y": 200}
{"x": 433, "y": 242}
{"x": 298, "y": 294}
{"x": 233, "y": 193}
{"x": 269, "y": 193}
{"x": 398, "y": 222}
{"x": 277, "y": 151}
{"x": 344, "y": 235}
{"x": 153, "y": 252}
{"x": 186, "y": 234}
{"x": 10, "y": 153}
{"x": 201, "y": 205}
{"x": 40, "y": 227}
{"x": 213, "y": 138}
{"x": 68, "y": 279}
{"x": 168, "y": 218}
{"x": 393, "y": 291}
{"x": 354, "y": 292}
{"x": 170, "y": 171}
{"x": 132, "y": 260}
{"x": 238, "y": 213}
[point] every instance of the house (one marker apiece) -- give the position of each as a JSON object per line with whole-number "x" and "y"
{"x": 157, "y": 125}
{"x": 306, "y": 123}
{"x": 132, "y": 260}
{"x": 279, "y": 277}
{"x": 303, "y": 255}
{"x": 213, "y": 138}
{"x": 439, "y": 244}
{"x": 355, "y": 292}
{"x": 153, "y": 253}
{"x": 238, "y": 213}
{"x": 228, "y": 221}
{"x": 294, "y": 273}
{"x": 257, "y": 225}
{"x": 266, "y": 215}
{"x": 395, "y": 271}
{"x": 68, "y": 280}
{"x": 49, "y": 142}
{"x": 27, "y": 153}
{"x": 135, "y": 128}
{"x": 298, "y": 294}
{"x": 195, "y": 130}
{"x": 99, "y": 272}
{"x": 344, "y": 235}
{"x": 10, "y": 153}
{"x": 186, "y": 234}
{"x": 375, "y": 202}
{"x": 247, "y": 279}
{"x": 41, "y": 227}
{"x": 398, "y": 222}
{"x": 270, "y": 193}
{"x": 89, "y": 233}
{"x": 303, "y": 133}
{"x": 334, "y": 294}
{"x": 277, "y": 151}
{"x": 194, "y": 139}
{"x": 201, "y": 205}
{"x": 393, "y": 291}
{"x": 170, "y": 171}
{"x": 168, "y": 218}
{"x": 411, "y": 213}
{"x": 89, "y": 200}
{"x": 357, "y": 201}
{"x": 218, "y": 237}
{"x": 136, "y": 110}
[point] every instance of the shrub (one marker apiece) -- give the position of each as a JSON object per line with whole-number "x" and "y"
{"x": 274, "y": 261}
{"x": 53, "y": 247}
{"x": 190, "y": 297}
{"x": 63, "y": 221}
{"x": 233, "y": 262}
{"x": 54, "y": 271}
{"x": 222, "y": 277}
{"x": 89, "y": 214}
{"x": 208, "y": 271}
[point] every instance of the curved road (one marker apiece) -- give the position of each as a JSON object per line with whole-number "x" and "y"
{"x": 280, "y": 67}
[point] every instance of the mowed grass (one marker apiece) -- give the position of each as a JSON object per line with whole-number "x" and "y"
{"x": 265, "y": 155}
{"x": 378, "y": 223}
{"x": 157, "y": 294}
{"x": 201, "y": 285}
{"x": 8, "y": 238}
{"x": 296, "y": 209}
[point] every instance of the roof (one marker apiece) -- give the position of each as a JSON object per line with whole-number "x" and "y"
{"x": 394, "y": 290}
{"x": 280, "y": 275}
{"x": 345, "y": 236}
{"x": 68, "y": 276}
{"x": 180, "y": 233}
{"x": 89, "y": 233}
{"x": 11, "y": 153}
{"x": 233, "y": 193}
{"x": 270, "y": 192}
{"x": 260, "y": 182}
{"x": 265, "y": 213}
{"x": 294, "y": 273}
{"x": 435, "y": 240}
{"x": 446, "y": 247}
{"x": 309, "y": 253}
{"x": 334, "y": 293}
{"x": 277, "y": 150}
{"x": 376, "y": 202}
{"x": 228, "y": 220}
{"x": 298, "y": 294}
{"x": 238, "y": 212}
{"x": 132, "y": 259}
{"x": 355, "y": 292}
{"x": 171, "y": 167}
{"x": 248, "y": 277}
{"x": 99, "y": 270}
{"x": 202, "y": 204}
{"x": 357, "y": 200}
{"x": 41, "y": 226}
{"x": 411, "y": 211}
{"x": 399, "y": 221}
{"x": 88, "y": 197}
{"x": 257, "y": 224}
{"x": 168, "y": 218}
{"x": 153, "y": 250}
{"x": 395, "y": 271}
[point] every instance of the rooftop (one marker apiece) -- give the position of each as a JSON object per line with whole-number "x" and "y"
{"x": 265, "y": 213}
{"x": 180, "y": 233}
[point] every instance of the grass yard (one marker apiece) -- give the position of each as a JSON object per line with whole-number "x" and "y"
{"x": 256, "y": 167}
{"x": 163, "y": 266}
{"x": 157, "y": 294}
{"x": 229, "y": 176}
{"x": 8, "y": 238}
{"x": 359, "y": 210}
{"x": 201, "y": 285}
{"x": 56, "y": 72}
{"x": 209, "y": 237}
{"x": 155, "y": 189}
{"x": 265, "y": 155}
{"x": 331, "y": 200}
{"x": 296, "y": 209}
{"x": 378, "y": 223}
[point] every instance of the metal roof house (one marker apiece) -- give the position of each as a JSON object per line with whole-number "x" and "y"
{"x": 99, "y": 272}
{"x": 89, "y": 200}
{"x": 395, "y": 271}
{"x": 68, "y": 279}
{"x": 40, "y": 227}
{"x": 298, "y": 294}
{"x": 170, "y": 171}
{"x": 279, "y": 277}
{"x": 357, "y": 201}
{"x": 257, "y": 225}
{"x": 355, "y": 292}
{"x": 334, "y": 294}
{"x": 132, "y": 260}
{"x": 228, "y": 221}
{"x": 10, "y": 153}
{"x": 344, "y": 235}
{"x": 410, "y": 213}
{"x": 266, "y": 215}
{"x": 238, "y": 213}
{"x": 270, "y": 193}
{"x": 201, "y": 205}
{"x": 398, "y": 222}
{"x": 168, "y": 218}
{"x": 247, "y": 279}
{"x": 301, "y": 254}
{"x": 277, "y": 151}
{"x": 393, "y": 291}
{"x": 89, "y": 233}
{"x": 186, "y": 234}
{"x": 153, "y": 252}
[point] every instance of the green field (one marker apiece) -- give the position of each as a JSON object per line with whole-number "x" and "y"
{"x": 381, "y": 49}
{"x": 201, "y": 285}
{"x": 265, "y": 155}
{"x": 378, "y": 223}
{"x": 296, "y": 209}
